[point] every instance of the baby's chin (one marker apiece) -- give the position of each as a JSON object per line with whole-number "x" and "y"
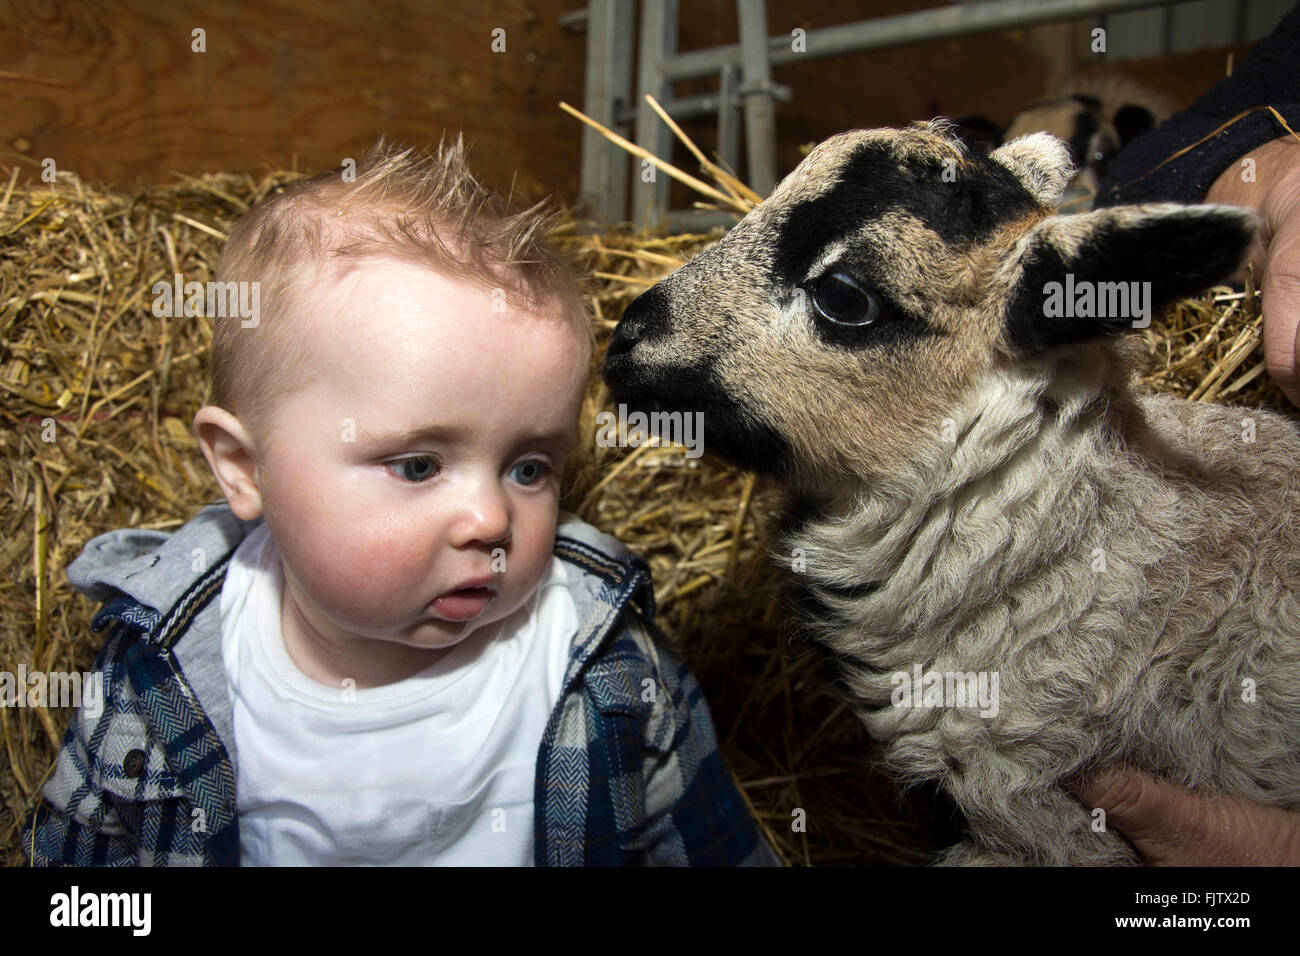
{"x": 436, "y": 633}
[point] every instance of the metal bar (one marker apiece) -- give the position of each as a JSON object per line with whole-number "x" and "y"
{"x": 575, "y": 21}
{"x": 658, "y": 44}
{"x": 728, "y": 117}
{"x": 684, "y": 107}
{"x": 760, "y": 112}
{"x": 603, "y": 185}
{"x": 924, "y": 25}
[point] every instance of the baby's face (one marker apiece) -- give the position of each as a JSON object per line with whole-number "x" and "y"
{"x": 422, "y": 457}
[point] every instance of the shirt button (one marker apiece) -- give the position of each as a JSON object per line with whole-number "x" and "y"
{"x": 134, "y": 763}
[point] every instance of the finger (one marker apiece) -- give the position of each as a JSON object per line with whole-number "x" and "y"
{"x": 1281, "y": 305}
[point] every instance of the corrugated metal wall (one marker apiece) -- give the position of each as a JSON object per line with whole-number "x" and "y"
{"x": 1190, "y": 26}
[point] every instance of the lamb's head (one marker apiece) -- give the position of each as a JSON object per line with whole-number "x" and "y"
{"x": 845, "y": 317}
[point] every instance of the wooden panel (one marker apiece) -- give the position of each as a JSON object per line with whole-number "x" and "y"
{"x": 115, "y": 92}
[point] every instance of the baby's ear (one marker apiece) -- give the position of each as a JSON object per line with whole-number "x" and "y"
{"x": 1041, "y": 162}
{"x": 1107, "y": 271}
{"x": 230, "y": 454}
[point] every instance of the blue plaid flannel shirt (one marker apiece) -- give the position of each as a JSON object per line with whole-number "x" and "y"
{"x": 150, "y": 780}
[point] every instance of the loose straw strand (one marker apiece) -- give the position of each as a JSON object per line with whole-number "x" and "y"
{"x": 728, "y": 182}
{"x": 697, "y": 184}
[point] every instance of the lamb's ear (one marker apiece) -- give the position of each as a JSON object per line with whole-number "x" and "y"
{"x": 1041, "y": 162}
{"x": 1112, "y": 270}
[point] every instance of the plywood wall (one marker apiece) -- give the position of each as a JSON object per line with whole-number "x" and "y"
{"x": 115, "y": 90}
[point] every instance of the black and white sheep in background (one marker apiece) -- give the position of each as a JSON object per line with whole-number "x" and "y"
{"x": 1096, "y": 117}
{"x": 927, "y": 356}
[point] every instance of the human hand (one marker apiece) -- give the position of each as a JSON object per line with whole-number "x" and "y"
{"x": 1171, "y": 826}
{"x": 1267, "y": 180}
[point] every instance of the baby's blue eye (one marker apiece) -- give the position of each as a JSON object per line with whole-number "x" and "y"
{"x": 529, "y": 472}
{"x": 419, "y": 468}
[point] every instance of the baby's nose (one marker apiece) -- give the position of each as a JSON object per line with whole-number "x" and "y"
{"x": 487, "y": 521}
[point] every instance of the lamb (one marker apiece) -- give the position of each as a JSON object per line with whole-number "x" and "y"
{"x": 1097, "y": 116}
{"x": 976, "y": 487}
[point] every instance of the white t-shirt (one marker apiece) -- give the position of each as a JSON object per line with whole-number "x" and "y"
{"x": 438, "y": 769}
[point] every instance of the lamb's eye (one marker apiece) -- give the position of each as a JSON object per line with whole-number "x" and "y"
{"x": 842, "y": 301}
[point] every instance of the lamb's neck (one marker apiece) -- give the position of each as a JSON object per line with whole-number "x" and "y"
{"x": 1033, "y": 465}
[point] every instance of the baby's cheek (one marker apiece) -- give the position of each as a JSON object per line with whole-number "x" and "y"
{"x": 530, "y": 554}
{"x": 371, "y": 573}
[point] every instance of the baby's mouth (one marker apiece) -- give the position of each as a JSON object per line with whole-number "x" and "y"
{"x": 464, "y": 604}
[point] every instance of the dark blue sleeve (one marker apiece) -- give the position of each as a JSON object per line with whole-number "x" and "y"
{"x": 1269, "y": 76}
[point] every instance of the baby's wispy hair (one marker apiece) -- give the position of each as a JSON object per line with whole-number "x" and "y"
{"x": 425, "y": 207}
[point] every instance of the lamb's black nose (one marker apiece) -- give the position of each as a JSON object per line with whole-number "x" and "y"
{"x": 621, "y": 341}
{"x": 646, "y": 318}
{"x": 617, "y": 366}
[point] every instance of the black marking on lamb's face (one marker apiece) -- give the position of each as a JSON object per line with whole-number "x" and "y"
{"x": 731, "y": 431}
{"x": 874, "y": 181}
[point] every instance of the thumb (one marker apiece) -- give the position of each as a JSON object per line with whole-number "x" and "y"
{"x": 1171, "y": 826}
{"x": 1146, "y": 811}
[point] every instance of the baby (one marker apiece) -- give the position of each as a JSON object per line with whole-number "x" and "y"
{"x": 389, "y": 646}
